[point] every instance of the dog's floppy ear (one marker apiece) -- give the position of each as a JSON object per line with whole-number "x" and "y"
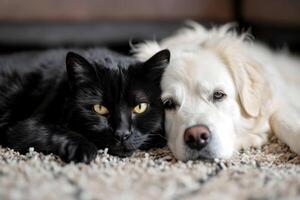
{"x": 252, "y": 88}
{"x": 155, "y": 66}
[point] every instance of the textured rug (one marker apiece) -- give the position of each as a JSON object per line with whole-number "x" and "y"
{"x": 271, "y": 172}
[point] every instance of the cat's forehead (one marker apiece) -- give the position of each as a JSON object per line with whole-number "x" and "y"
{"x": 114, "y": 68}
{"x": 140, "y": 94}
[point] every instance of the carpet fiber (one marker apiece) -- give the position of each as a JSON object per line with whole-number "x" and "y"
{"x": 272, "y": 172}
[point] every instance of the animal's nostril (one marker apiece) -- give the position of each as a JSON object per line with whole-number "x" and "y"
{"x": 122, "y": 135}
{"x": 197, "y": 137}
{"x": 204, "y": 136}
{"x": 191, "y": 138}
{"x": 126, "y": 134}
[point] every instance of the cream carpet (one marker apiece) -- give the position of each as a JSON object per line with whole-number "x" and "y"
{"x": 272, "y": 172}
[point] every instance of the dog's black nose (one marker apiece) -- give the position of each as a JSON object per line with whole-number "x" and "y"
{"x": 197, "y": 137}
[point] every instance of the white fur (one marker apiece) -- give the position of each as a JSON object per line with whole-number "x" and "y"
{"x": 262, "y": 87}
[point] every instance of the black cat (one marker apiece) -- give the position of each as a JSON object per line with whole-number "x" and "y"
{"x": 104, "y": 100}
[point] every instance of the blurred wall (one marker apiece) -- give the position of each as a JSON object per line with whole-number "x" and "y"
{"x": 87, "y": 10}
{"x": 39, "y": 24}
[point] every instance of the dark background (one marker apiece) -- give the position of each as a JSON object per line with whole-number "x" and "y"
{"x": 42, "y": 24}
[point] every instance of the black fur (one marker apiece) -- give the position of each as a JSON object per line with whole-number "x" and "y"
{"x": 48, "y": 107}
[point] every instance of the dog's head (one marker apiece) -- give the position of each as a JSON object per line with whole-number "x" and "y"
{"x": 209, "y": 95}
{"x": 200, "y": 100}
{"x": 213, "y": 93}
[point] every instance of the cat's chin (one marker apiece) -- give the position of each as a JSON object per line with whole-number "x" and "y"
{"x": 119, "y": 151}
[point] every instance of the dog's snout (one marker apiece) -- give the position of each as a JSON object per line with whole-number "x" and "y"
{"x": 197, "y": 137}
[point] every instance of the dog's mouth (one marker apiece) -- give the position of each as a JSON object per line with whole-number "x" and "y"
{"x": 205, "y": 158}
{"x": 205, "y": 154}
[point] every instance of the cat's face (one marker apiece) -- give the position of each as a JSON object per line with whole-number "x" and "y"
{"x": 115, "y": 107}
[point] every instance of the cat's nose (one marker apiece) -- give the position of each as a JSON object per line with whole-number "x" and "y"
{"x": 122, "y": 135}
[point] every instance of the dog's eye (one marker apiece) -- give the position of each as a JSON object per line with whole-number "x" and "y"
{"x": 219, "y": 95}
{"x": 169, "y": 104}
{"x": 102, "y": 110}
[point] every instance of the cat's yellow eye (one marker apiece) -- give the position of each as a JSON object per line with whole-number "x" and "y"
{"x": 102, "y": 110}
{"x": 142, "y": 107}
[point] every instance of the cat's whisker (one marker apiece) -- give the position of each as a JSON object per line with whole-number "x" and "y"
{"x": 157, "y": 135}
{"x": 117, "y": 140}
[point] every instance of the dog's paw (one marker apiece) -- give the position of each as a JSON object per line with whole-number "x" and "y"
{"x": 80, "y": 152}
{"x": 252, "y": 141}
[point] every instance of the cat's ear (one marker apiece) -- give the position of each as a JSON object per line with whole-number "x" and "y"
{"x": 155, "y": 66}
{"x": 79, "y": 70}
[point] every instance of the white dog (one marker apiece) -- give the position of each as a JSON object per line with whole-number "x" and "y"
{"x": 223, "y": 92}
